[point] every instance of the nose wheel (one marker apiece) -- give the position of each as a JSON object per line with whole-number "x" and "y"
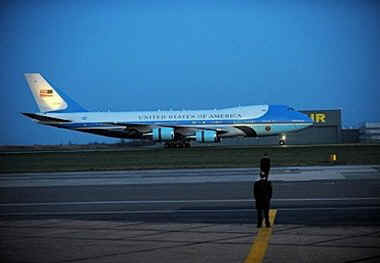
{"x": 282, "y": 139}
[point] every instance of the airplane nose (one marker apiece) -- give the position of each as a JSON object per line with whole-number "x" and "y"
{"x": 306, "y": 119}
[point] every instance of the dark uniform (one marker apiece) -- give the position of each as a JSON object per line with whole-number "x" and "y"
{"x": 263, "y": 194}
{"x": 265, "y": 165}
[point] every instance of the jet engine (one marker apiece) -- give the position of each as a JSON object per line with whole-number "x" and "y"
{"x": 163, "y": 134}
{"x": 206, "y": 136}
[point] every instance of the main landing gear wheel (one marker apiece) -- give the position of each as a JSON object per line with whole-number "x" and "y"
{"x": 177, "y": 145}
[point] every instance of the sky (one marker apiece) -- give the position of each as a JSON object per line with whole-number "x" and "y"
{"x": 149, "y": 55}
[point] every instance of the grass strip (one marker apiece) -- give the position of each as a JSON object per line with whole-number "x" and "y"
{"x": 197, "y": 157}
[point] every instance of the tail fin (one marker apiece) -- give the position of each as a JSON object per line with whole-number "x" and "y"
{"x": 47, "y": 98}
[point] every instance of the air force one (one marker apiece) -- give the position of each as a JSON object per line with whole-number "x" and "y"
{"x": 174, "y": 128}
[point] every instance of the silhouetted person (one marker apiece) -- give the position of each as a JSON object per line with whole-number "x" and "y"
{"x": 265, "y": 165}
{"x": 263, "y": 193}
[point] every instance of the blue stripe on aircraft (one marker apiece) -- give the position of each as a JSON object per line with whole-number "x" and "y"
{"x": 276, "y": 114}
{"x": 169, "y": 123}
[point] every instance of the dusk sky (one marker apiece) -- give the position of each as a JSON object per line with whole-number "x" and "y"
{"x": 149, "y": 55}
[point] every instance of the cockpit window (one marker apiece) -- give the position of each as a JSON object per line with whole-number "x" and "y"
{"x": 290, "y": 109}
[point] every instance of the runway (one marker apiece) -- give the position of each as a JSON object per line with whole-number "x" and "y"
{"x": 184, "y": 176}
{"x": 188, "y": 215}
{"x": 198, "y": 195}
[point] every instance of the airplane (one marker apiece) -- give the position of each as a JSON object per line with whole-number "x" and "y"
{"x": 173, "y": 128}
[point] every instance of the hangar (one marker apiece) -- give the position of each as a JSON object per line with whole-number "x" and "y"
{"x": 326, "y": 130}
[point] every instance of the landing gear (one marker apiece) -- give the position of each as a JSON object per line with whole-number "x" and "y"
{"x": 177, "y": 144}
{"x": 282, "y": 139}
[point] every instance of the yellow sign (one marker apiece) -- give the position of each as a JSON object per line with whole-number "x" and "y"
{"x": 318, "y": 117}
{"x": 333, "y": 157}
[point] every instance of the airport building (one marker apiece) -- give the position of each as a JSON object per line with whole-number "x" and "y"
{"x": 327, "y": 128}
{"x": 369, "y": 132}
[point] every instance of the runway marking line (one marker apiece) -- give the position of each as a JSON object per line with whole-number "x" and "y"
{"x": 185, "y": 201}
{"x": 260, "y": 244}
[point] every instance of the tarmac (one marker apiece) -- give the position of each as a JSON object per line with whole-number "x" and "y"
{"x": 59, "y": 240}
{"x": 323, "y": 214}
